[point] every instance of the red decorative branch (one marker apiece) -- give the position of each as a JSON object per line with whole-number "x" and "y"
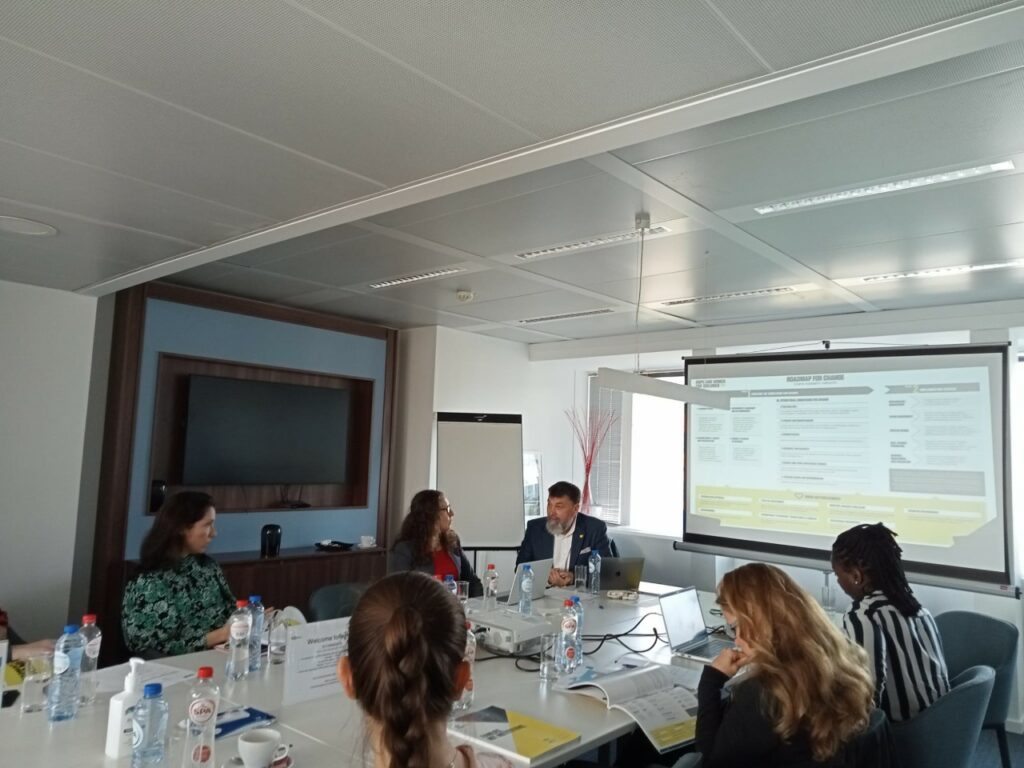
{"x": 590, "y": 431}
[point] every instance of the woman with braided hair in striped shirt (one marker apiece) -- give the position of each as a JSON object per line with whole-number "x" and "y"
{"x": 887, "y": 621}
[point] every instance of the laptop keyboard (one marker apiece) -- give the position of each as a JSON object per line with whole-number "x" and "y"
{"x": 710, "y": 649}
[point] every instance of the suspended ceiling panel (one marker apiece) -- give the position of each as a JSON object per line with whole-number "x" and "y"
{"x": 316, "y": 241}
{"x": 41, "y": 179}
{"x": 555, "y": 67}
{"x": 795, "y": 31}
{"x": 767, "y": 308}
{"x": 996, "y": 285}
{"x": 518, "y": 334}
{"x": 269, "y": 69}
{"x": 895, "y": 223}
{"x": 393, "y": 314}
{"x": 921, "y": 134}
{"x": 620, "y": 323}
{"x": 76, "y": 115}
{"x": 249, "y": 283}
{"x": 362, "y": 260}
{"x": 486, "y": 285}
{"x": 581, "y": 209}
{"x": 531, "y": 306}
{"x": 40, "y": 265}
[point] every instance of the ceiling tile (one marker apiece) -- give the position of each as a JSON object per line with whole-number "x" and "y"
{"x": 997, "y": 285}
{"x": 359, "y": 261}
{"x": 72, "y": 114}
{"x": 392, "y": 314}
{"x": 534, "y": 305}
{"x": 272, "y": 70}
{"x": 26, "y": 262}
{"x": 556, "y": 67}
{"x": 765, "y": 308}
{"x": 294, "y": 246}
{"x": 578, "y": 210}
{"x": 249, "y": 283}
{"x": 485, "y": 286}
{"x": 798, "y": 31}
{"x": 619, "y": 324}
{"x": 518, "y": 334}
{"x": 922, "y": 134}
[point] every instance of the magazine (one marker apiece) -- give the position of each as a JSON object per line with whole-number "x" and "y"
{"x": 512, "y": 734}
{"x": 659, "y": 698}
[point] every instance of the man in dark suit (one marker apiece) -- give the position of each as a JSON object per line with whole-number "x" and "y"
{"x": 564, "y": 535}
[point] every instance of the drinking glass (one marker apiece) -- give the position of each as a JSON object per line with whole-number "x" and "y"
{"x": 581, "y": 578}
{"x": 548, "y": 657}
{"x": 278, "y": 642}
{"x": 38, "y": 671}
{"x": 462, "y": 592}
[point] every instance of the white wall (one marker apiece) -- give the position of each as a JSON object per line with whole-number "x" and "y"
{"x": 46, "y": 348}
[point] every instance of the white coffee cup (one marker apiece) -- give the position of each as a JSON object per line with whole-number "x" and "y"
{"x": 260, "y": 747}
{"x": 365, "y": 542}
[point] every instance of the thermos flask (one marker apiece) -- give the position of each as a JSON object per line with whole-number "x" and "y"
{"x": 270, "y": 540}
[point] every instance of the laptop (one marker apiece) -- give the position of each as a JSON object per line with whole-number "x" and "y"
{"x": 541, "y": 569}
{"x": 621, "y": 572}
{"x": 687, "y": 633}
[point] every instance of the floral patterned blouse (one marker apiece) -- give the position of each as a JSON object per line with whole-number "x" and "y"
{"x": 170, "y": 611}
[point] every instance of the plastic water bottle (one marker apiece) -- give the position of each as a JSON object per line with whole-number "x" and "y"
{"x": 63, "y": 697}
{"x": 491, "y": 588}
{"x": 526, "y": 591}
{"x": 203, "y": 701}
{"x": 465, "y": 701}
{"x": 92, "y": 636}
{"x": 594, "y": 570}
{"x": 450, "y": 585}
{"x": 256, "y": 635}
{"x": 567, "y": 639}
{"x": 578, "y": 605}
{"x": 149, "y": 729}
{"x": 239, "y": 628}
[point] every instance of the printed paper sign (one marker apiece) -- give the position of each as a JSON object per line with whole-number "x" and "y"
{"x": 311, "y": 660}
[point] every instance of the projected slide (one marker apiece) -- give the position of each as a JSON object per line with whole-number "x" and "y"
{"x": 811, "y": 447}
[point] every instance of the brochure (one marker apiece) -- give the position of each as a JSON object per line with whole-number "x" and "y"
{"x": 657, "y": 697}
{"x": 508, "y": 733}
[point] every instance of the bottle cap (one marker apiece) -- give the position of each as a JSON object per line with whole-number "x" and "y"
{"x": 469, "y": 625}
{"x": 527, "y": 567}
{"x": 568, "y": 603}
{"x": 449, "y": 577}
{"x": 204, "y": 673}
{"x": 255, "y": 599}
{"x": 89, "y": 618}
{"x": 152, "y": 690}
{"x": 241, "y": 603}
{"x": 490, "y": 566}
{"x": 70, "y": 629}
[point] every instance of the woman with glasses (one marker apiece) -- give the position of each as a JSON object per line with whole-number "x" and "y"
{"x": 428, "y": 544}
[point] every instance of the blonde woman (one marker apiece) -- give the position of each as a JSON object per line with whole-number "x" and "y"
{"x": 805, "y": 692}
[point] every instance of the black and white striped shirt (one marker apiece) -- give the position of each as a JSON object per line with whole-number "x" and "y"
{"x": 905, "y": 654}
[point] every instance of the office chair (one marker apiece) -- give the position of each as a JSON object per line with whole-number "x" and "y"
{"x": 335, "y": 601}
{"x": 946, "y": 734}
{"x": 969, "y": 639}
{"x": 613, "y": 548}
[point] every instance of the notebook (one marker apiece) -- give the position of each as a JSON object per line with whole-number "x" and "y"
{"x": 541, "y": 569}
{"x": 687, "y": 632}
{"x": 621, "y": 572}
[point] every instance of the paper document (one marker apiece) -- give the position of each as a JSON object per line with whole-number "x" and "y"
{"x": 311, "y": 660}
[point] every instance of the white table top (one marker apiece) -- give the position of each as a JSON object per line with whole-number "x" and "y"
{"x": 330, "y": 731}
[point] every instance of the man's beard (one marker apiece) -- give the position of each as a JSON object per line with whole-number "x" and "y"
{"x": 555, "y": 527}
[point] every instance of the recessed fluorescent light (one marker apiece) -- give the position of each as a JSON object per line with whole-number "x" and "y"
{"x": 959, "y": 269}
{"x": 566, "y": 316}
{"x": 782, "y": 290}
{"x": 18, "y": 226}
{"x": 591, "y": 243}
{"x": 415, "y": 278}
{"x": 889, "y": 186}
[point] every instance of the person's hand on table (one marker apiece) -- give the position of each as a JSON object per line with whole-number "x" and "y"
{"x": 218, "y": 636}
{"x": 21, "y": 652}
{"x": 559, "y": 578}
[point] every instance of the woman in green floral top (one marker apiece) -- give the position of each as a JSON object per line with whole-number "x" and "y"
{"x": 180, "y": 601}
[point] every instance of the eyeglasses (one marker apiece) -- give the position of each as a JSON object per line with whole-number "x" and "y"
{"x": 449, "y": 509}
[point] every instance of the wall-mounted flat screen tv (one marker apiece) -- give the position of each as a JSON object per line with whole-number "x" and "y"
{"x": 243, "y": 432}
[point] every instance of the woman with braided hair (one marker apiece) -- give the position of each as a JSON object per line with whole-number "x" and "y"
{"x": 888, "y": 622}
{"x": 407, "y": 637}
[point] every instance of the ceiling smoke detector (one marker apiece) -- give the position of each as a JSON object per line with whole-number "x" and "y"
{"x": 464, "y": 296}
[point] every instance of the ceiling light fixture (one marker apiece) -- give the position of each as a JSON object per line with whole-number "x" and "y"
{"x": 609, "y": 378}
{"x": 566, "y": 316}
{"x": 959, "y": 269}
{"x": 15, "y": 225}
{"x": 781, "y": 290}
{"x": 620, "y": 237}
{"x": 416, "y": 278}
{"x": 889, "y": 186}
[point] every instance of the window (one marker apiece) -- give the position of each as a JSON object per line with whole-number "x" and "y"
{"x": 637, "y": 478}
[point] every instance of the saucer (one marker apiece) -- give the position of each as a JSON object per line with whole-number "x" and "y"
{"x": 284, "y": 762}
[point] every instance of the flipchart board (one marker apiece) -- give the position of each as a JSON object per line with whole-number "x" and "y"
{"x": 480, "y": 470}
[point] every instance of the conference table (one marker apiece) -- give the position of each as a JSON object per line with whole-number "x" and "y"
{"x": 329, "y": 731}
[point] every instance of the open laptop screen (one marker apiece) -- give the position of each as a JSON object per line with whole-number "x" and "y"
{"x": 684, "y": 621}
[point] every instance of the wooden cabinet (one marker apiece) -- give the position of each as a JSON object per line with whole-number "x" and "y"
{"x": 291, "y": 577}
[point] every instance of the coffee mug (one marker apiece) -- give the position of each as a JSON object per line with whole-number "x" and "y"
{"x": 260, "y": 747}
{"x": 365, "y": 542}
